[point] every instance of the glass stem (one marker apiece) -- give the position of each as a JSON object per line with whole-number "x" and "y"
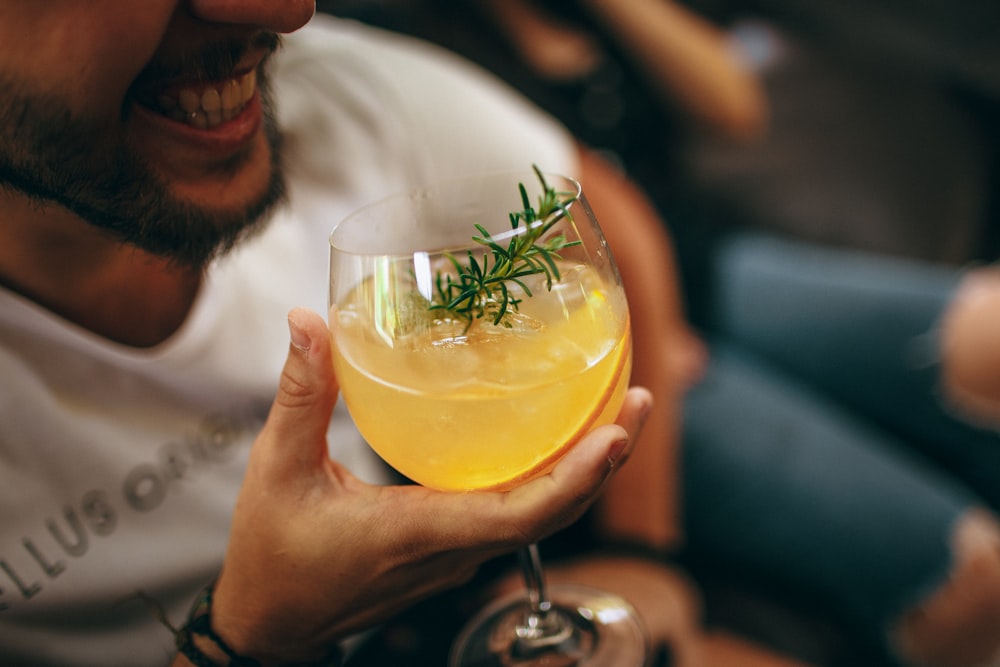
{"x": 539, "y": 623}
{"x": 534, "y": 579}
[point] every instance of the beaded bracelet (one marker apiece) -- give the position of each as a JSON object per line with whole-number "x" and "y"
{"x": 200, "y": 623}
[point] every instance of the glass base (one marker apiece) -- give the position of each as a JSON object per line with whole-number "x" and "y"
{"x": 586, "y": 627}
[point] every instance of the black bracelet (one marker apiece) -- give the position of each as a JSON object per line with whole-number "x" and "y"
{"x": 200, "y": 623}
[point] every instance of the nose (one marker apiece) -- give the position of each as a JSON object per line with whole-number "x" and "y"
{"x": 274, "y": 15}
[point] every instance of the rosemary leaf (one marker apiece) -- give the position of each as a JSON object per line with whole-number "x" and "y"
{"x": 480, "y": 289}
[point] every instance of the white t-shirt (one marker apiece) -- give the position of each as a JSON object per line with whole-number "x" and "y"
{"x": 119, "y": 467}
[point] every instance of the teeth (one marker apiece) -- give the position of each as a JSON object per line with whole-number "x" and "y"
{"x": 207, "y": 107}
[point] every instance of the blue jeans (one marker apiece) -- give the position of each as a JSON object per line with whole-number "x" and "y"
{"x": 817, "y": 452}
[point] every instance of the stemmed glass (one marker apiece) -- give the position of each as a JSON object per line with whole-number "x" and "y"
{"x": 480, "y": 330}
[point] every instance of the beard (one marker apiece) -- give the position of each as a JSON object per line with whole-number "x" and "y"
{"x": 80, "y": 164}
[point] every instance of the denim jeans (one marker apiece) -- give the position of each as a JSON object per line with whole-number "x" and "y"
{"x": 817, "y": 451}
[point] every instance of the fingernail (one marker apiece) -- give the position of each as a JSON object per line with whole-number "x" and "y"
{"x": 645, "y": 408}
{"x": 299, "y": 337}
{"x": 644, "y": 411}
{"x": 616, "y": 450}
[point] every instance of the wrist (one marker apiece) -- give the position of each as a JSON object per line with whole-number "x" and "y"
{"x": 200, "y": 642}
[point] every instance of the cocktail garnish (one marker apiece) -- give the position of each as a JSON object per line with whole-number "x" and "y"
{"x": 483, "y": 288}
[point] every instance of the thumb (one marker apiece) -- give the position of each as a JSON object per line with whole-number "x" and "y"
{"x": 307, "y": 391}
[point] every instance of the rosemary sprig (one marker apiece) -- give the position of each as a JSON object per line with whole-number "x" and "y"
{"x": 485, "y": 288}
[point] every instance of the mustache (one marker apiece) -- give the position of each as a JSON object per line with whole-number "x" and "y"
{"x": 210, "y": 62}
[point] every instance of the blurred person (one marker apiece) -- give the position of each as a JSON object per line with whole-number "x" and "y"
{"x": 835, "y": 261}
{"x": 161, "y": 226}
{"x": 859, "y": 457}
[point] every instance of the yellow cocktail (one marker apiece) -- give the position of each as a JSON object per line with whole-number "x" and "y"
{"x": 488, "y": 406}
{"x": 477, "y": 337}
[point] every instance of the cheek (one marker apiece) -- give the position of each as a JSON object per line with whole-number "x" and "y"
{"x": 82, "y": 52}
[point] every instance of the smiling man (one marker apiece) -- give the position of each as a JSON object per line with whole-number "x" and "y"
{"x": 147, "y": 123}
{"x": 179, "y": 143}
{"x": 160, "y": 223}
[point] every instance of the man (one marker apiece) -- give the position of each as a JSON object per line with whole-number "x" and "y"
{"x": 147, "y": 261}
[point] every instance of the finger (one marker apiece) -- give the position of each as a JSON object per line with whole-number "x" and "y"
{"x": 632, "y": 417}
{"x": 553, "y": 501}
{"x": 307, "y": 391}
{"x": 577, "y": 479}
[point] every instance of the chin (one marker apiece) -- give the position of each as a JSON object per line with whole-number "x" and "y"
{"x": 210, "y": 216}
{"x": 229, "y": 186}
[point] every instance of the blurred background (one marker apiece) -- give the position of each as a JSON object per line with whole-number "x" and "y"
{"x": 870, "y": 125}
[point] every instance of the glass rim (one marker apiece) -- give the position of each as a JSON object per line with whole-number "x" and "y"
{"x": 575, "y": 196}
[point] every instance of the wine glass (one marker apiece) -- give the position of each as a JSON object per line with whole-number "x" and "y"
{"x": 480, "y": 330}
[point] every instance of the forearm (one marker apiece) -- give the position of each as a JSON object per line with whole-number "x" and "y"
{"x": 641, "y": 505}
{"x": 689, "y": 62}
{"x": 641, "y": 502}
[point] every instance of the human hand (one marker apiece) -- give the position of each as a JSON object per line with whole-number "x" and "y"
{"x": 315, "y": 554}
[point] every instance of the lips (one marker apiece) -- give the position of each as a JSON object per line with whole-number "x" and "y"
{"x": 205, "y": 105}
